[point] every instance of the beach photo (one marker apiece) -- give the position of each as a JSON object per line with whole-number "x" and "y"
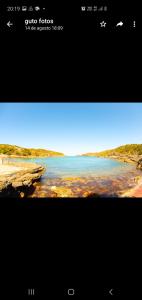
{"x": 71, "y": 150}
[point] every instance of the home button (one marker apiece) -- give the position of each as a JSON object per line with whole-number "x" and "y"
{"x": 71, "y": 292}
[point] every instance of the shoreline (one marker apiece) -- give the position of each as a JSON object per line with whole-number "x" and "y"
{"x": 134, "y": 159}
{"x": 17, "y": 179}
{"x": 30, "y": 156}
{"x": 121, "y": 158}
{"x": 135, "y": 192}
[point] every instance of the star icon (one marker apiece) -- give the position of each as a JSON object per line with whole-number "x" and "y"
{"x": 103, "y": 24}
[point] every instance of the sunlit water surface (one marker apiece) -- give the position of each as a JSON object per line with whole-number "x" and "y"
{"x": 80, "y": 176}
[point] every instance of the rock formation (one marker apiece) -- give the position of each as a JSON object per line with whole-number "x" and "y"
{"x": 131, "y": 153}
{"x": 139, "y": 164}
{"x": 20, "y": 183}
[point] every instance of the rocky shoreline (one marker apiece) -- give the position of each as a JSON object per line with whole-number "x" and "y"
{"x": 139, "y": 164}
{"x": 31, "y": 156}
{"x": 129, "y": 159}
{"x": 136, "y": 159}
{"x": 135, "y": 192}
{"x": 18, "y": 179}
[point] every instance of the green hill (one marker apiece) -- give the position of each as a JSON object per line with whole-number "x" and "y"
{"x": 130, "y": 149}
{"x": 13, "y": 150}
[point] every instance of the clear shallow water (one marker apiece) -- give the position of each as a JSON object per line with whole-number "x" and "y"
{"x": 82, "y": 176}
{"x": 80, "y": 166}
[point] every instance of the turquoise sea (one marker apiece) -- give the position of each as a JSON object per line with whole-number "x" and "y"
{"x": 80, "y": 166}
{"x": 82, "y": 176}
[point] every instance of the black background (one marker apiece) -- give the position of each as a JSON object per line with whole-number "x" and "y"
{"x": 54, "y": 245}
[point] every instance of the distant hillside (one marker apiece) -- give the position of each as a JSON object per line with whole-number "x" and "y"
{"x": 130, "y": 149}
{"x": 13, "y": 150}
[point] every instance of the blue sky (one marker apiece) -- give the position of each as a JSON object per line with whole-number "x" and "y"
{"x": 71, "y": 128}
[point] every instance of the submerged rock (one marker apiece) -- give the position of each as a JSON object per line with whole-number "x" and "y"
{"x": 139, "y": 164}
{"x": 137, "y": 179}
{"x": 62, "y": 191}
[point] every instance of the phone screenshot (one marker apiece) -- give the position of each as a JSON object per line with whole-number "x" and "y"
{"x": 70, "y": 149}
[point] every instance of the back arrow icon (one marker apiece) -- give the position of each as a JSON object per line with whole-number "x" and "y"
{"x": 119, "y": 24}
{"x": 9, "y": 24}
{"x": 111, "y": 292}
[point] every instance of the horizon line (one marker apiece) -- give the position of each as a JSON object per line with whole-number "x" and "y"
{"x": 71, "y": 154}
